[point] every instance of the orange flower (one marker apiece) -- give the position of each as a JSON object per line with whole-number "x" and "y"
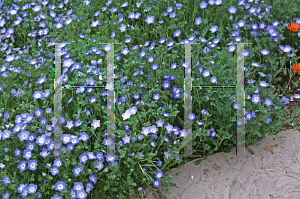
{"x": 294, "y": 27}
{"x": 297, "y": 67}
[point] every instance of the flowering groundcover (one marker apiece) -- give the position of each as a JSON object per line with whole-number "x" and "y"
{"x": 149, "y": 79}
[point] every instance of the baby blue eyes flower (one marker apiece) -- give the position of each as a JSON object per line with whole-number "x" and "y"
{"x": 41, "y": 80}
{"x": 206, "y": 73}
{"x": 156, "y": 96}
{"x": 149, "y": 20}
{"x": 263, "y": 84}
{"x": 268, "y": 102}
{"x": 213, "y": 29}
{"x": 31, "y": 189}
{"x": 122, "y": 28}
{"x": 231, "y": 48}
{"x": 213, "y": 79}
{"x": 60, "y": 185}
{"x": 159, "y": 175}
{"x": 177, "y": 33}
{"x": 232, "y": 10}
{"x": 38, "y": 95}
{"x": 203, "y": 5}
{"x": 256, "y": 99}
{"x": 198, "y": 21}
{"x": 93, "y": 99}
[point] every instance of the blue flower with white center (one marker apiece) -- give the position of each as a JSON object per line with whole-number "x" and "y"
{"x": 257, "y": 91}
{"x": 213, "y": 80}
{"x": 177, "y": 33}
{"x": 296, "y": 96}
{"x": 160, "y": 123}
{"x": 23, "y": 135}
{"x": 125, "y": 51}
{"x": 57, "y": 162}
{"x": 154, "y": 66}
{"x": 166, "y": 84}
{"x": 241, "y": 23}
{"x": 149, "y": 20}
{"x": 191, "y": 116}
{"x": 206, "y": 73}
{"x": 150, "y": 59}
{"x": 172, "y": 14}
{"x": 41, "y": 80}
{"x": 153, "y": 143}
{"x": 54, "y": 170}
{"x": 31, "y": 189}
{"x": 231, "y": 48}
{"x": 159, "y": 175}
{"x": 93, "y": 99}
{"x": 69, "y": 124}
{"x": 110, "y": 157}
{"x": 264, "y": 52}
{"x": 286, "y": 48}
{"x": 30, "y": 146}
{"x": 232, "y": 10}
{"x": 81, "y": 194}
{"x": 22, "y": 166}
{"x": 263, "y": 84}
{"x": 203, "y": 5}
{"x": 126, "y": 139}
{"x": 32, "y": 165}
{"x": 84, "y": 136}
{"x": 60, "y": 186}
{"x": 95, "y": 124}
{"x": 213, "y": 29}
{"x": 156, "y": 183}
{"x": 254, "y": 26}
{"x": 156, "y": 96}
{"x": 77, "y": 170}
{"x": 268, "y": 102}
{"x": 83, "y": 158}
{"x": 256, "y": 99}
{"x": 142, "y": 53}
{"x": 6, "y": 180}
{"x": 268, "y": 120}
{"x": 38, "y": 95}
{"x": 122, "y": 28}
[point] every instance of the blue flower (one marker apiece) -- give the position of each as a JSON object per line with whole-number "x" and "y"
{"x": 159, "y": 175}
{"x": 38, "y": 95}
{"x": 156, "y": 96}
{"x": 60, "y": 185}
{"x": 110, "y": 157}
{"x": 232, "y": 10}
{"x": 31, "y": 189}
{"x": 41, "y": 80}
{"x": 256, "y": 99}
{"x": 203, "y": 5}
{"x": 77, "y": 170}
{"x": 156, "y": 183}
{"x": 81, "y": 194}
{"x": 93, "y": 99}
{"x": 177, "y": 33}
{"x": 264, "y": 52}
{"x": 54, "y": 170}
{"x": 153, "y": 143}
{"x": 159, "y": 163}
{"x": 84, "y": 136}
{"x": 32, "y": 165}
{"x": 149, "y": 20}
{"x": 6, "y": 180}
{"x": 269, "y": 120}
{"x": 206, "y": 73}
{"x": 198, "y": 21}
{"x": 126, "y": 139}
{"x": 83, "y": 158}
{"x": 231, "y": 48}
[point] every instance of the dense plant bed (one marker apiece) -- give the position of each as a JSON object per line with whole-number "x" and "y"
{"x": 149, "y": 89}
